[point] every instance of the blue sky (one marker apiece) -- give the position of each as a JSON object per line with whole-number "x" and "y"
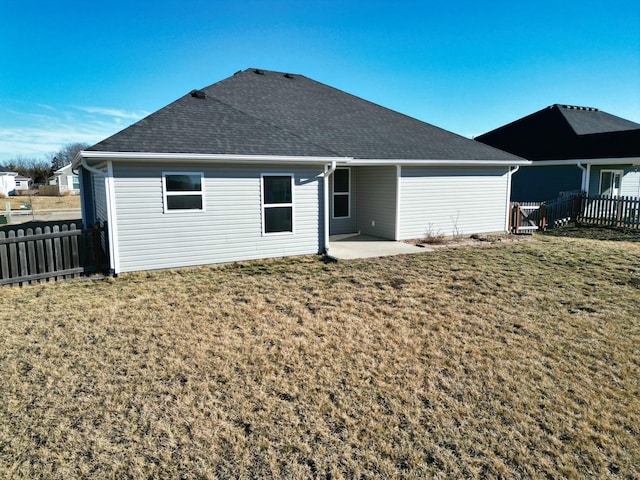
{"x": 79, "y": 71}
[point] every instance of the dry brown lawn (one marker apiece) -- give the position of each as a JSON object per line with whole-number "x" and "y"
{"x": 504, "y": 361}
{"x": 41, "y": 203}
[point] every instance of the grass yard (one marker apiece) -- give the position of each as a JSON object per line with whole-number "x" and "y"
{"x": 503, "y": 361}
{"x": 42, "y": 203}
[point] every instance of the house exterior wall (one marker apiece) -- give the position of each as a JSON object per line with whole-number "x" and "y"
{"x": 630, "y": 184}
{"x": 230, "y": 227}
{"x": 449, "y": 201}
{"x": 344, "y": 225}
{"x": 538, "y": 184}
{"x": 7, "y": 184}
{"x": 376, "y": 201}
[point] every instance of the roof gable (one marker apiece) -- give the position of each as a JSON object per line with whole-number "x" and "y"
{"x": 257, "y": 112}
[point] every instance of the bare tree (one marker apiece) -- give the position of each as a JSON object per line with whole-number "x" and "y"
{"x": 66, "y": 154}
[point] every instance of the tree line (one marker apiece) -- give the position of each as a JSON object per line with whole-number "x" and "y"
{"x": 39, "y": 170}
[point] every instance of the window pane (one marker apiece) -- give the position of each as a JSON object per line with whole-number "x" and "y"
{"x": 184, "y": 202}
{"x": 341, "y": 181}
{"x": 340, "y": 206}
{"x": 183, "y": 183}
{"x": 277, "y": 219}
{"x": 277, "y": 189}
{"x": 605, "y": 183}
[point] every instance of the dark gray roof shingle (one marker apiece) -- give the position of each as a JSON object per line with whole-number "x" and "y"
{"x": 273, "y": 113}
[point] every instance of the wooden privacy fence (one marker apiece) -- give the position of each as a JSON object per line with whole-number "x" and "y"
{"x": 580, "y": 209}
{"x": 51, "y": 252}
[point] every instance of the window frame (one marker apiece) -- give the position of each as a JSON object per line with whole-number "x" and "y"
{"x": 166, "y": 194}
{"x": 264, "y": 206}
{"x": 334, "y": 194}
{"x": 614, "y": 172}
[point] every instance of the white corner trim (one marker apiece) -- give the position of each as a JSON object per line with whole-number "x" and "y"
{"x": 112, "y": 225}
{"x": 398, "y": 183}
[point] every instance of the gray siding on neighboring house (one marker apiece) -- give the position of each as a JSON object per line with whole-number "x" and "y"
{"x": 344, "y": 225}
{"x": 100, "y": 197}
{"x": 376, "y": 201}
{"x": 230, "y": 228}
{"x": 449, "y": 201}
{"x": 630, "y": 182}
{"x": 542, "y": 183}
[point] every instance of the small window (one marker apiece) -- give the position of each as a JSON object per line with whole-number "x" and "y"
{"x": 277, "y": 204}
{"x": 341, "y": 193}
{"x": 183, "y": 191}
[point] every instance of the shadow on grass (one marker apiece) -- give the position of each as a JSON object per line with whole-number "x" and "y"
{"x": 595, "y": 232}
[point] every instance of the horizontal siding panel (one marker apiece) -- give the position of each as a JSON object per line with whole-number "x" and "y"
{"x": 452, "y": 201}
{"x": 230, "y": 228}
{"x": 377, "y": 201}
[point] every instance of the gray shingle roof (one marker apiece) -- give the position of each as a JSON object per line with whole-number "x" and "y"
{"x": 587, "y": 121}
{"x": 271, "y": 113}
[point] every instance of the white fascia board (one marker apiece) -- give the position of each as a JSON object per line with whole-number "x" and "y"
{"x": 436, "y": 163}
{"x": 587, "y": 161}
{"x": 266, "y": 159}
{"x": 203, "y": 158}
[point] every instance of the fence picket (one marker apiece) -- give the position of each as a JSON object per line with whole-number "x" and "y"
{"x": 40, "y": 252}
{"x": 4, "y": 257}
{"x": 31, "y": 254}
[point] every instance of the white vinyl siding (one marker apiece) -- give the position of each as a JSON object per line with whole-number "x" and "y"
{"x": 630, "y": 184}
{"x": 376, "y": 200}
{"x": 450, "y": 201}
{"x": 230, "y": 228}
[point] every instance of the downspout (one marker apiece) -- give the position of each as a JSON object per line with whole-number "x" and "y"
{"x": 328, "y": 170}
{"x": 506, "y": 217}
{"x": 583, "y": 184}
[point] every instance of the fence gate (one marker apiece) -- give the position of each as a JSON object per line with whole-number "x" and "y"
{"x": 525, "y": 217}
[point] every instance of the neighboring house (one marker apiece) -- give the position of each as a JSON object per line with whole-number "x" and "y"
{"x": 66, "y": 180}
{"x": 22, "y": 184}
{"x": 7, "y": 183}
{"x": 267, "y": 164}
{"x": 573, "y": 149}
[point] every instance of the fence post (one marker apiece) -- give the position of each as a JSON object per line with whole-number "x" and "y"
{"x": 543, "y": 217}
{"x": 97, "y": 248}
{"x": 517, "y": 229}
{"x": 577, "y": 208}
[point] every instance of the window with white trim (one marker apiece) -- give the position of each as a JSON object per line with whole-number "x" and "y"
{"x": 610, "y": 182}
{"x": 183, "y": 191}
{"x": 342, "y": 193}
{"x": 277, "y": 204}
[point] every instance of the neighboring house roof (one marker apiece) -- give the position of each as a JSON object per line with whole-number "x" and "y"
{"x": 566, "y": 132}
{"x": 259, "y": 112}
{"x": 10, "y": 174}
{"x": 66, "y": 170}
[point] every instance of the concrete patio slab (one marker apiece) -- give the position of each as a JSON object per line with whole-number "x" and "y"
{"x": 352, "y": 246}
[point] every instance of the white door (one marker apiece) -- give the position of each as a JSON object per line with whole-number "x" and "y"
{"x": 610, "y": 181}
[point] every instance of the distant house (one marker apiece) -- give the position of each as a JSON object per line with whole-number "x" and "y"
{"x": 66, "y": 180}
{"x": 268, "y": 164}
{"x": 23, "y": 184}
{"x": 7, "y": 183}
{"x": 573, "y": 149}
